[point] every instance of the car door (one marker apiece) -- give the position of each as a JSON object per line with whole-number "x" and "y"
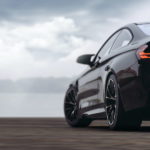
{"x": 88, "y": 84}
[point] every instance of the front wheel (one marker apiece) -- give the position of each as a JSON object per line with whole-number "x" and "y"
{"x": 117, "y": 118}
{"x": 71, "y": 110}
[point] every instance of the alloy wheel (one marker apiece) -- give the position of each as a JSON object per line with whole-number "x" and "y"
{"x": 111, "y": 101}
{"x": 71, "y": 106}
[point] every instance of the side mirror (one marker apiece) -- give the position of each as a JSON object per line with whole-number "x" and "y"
{"x": 85, "y": 59}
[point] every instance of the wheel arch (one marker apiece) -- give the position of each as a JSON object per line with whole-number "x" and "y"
{"x": 112, "y": 72}
{"x": 74, "y": 85}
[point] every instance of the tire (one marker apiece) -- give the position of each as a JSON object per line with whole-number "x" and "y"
{"x": 71, "y": 110}
{"x": 117, "y": 118}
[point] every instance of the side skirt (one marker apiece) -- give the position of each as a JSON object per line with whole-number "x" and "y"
{"x": 96, "y": 112}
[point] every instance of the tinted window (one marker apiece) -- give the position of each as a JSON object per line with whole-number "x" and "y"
{"x": 123, "y": 39}
{"x": 145, "y": 28}
{"x": 105, "y": 49}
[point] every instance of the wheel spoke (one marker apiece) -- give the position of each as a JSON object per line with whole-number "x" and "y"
{"x": 70, "y": 106}
{"x": 108, "y": 106}
{"x": 72, "y": 96}
{"x": 110, "y": 110}
{"x": 70, "y": 103}
{"x": 111, "y": 99}
{"x": 111, "y": 91}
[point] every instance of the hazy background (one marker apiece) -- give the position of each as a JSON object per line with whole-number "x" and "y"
{"x": 39, "y": 43}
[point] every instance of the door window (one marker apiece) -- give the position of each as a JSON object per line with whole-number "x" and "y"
{"x": 108, "y": 44}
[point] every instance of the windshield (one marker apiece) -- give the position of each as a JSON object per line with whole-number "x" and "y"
{"x": 145, "y": 28}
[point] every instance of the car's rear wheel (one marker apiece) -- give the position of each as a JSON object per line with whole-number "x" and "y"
{"x": 117, "y": 118}
{"x": 71, "y": 110}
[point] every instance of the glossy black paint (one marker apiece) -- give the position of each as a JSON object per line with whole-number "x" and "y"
{"x": 133, "y": 79}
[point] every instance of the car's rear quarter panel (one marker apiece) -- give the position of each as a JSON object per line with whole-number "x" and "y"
{"x": 132, "y": 91}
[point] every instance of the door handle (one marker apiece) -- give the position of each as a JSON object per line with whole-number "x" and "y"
{"x": 107, "y": 68}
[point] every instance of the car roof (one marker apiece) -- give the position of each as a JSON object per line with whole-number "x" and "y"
{"x": 136, "y": 31}
{"x": 141, "y": 23}
{"x": 137, "y": 23}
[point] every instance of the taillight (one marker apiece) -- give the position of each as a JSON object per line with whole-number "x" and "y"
{"x": 141, "y": 52}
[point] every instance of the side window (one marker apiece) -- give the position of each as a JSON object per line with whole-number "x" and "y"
{"x": 106, "y": 48}
{"x": 122, "y": 40}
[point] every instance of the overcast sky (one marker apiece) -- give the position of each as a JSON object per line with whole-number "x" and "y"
{"x": 42, "y": 38}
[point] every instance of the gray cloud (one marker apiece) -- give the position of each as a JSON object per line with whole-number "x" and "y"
{"x": 28, "y": 11}
{"x": 37, "y": 9}
{"x": 89, "y": 15}
{"x": 112, "y": 8}
{"x": 49, "y": 37}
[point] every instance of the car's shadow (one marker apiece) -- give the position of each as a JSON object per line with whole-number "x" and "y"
{"x": 106, "y": 128}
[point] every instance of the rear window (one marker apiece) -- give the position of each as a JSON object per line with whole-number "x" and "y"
{"x": 145, "y": 28}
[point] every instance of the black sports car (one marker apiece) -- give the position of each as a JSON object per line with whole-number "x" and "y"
{"x": 116, "y": 85}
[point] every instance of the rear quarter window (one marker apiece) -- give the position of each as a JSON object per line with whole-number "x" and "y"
{"x": 145, "y": 28}
{"x": 122, "y": 40}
